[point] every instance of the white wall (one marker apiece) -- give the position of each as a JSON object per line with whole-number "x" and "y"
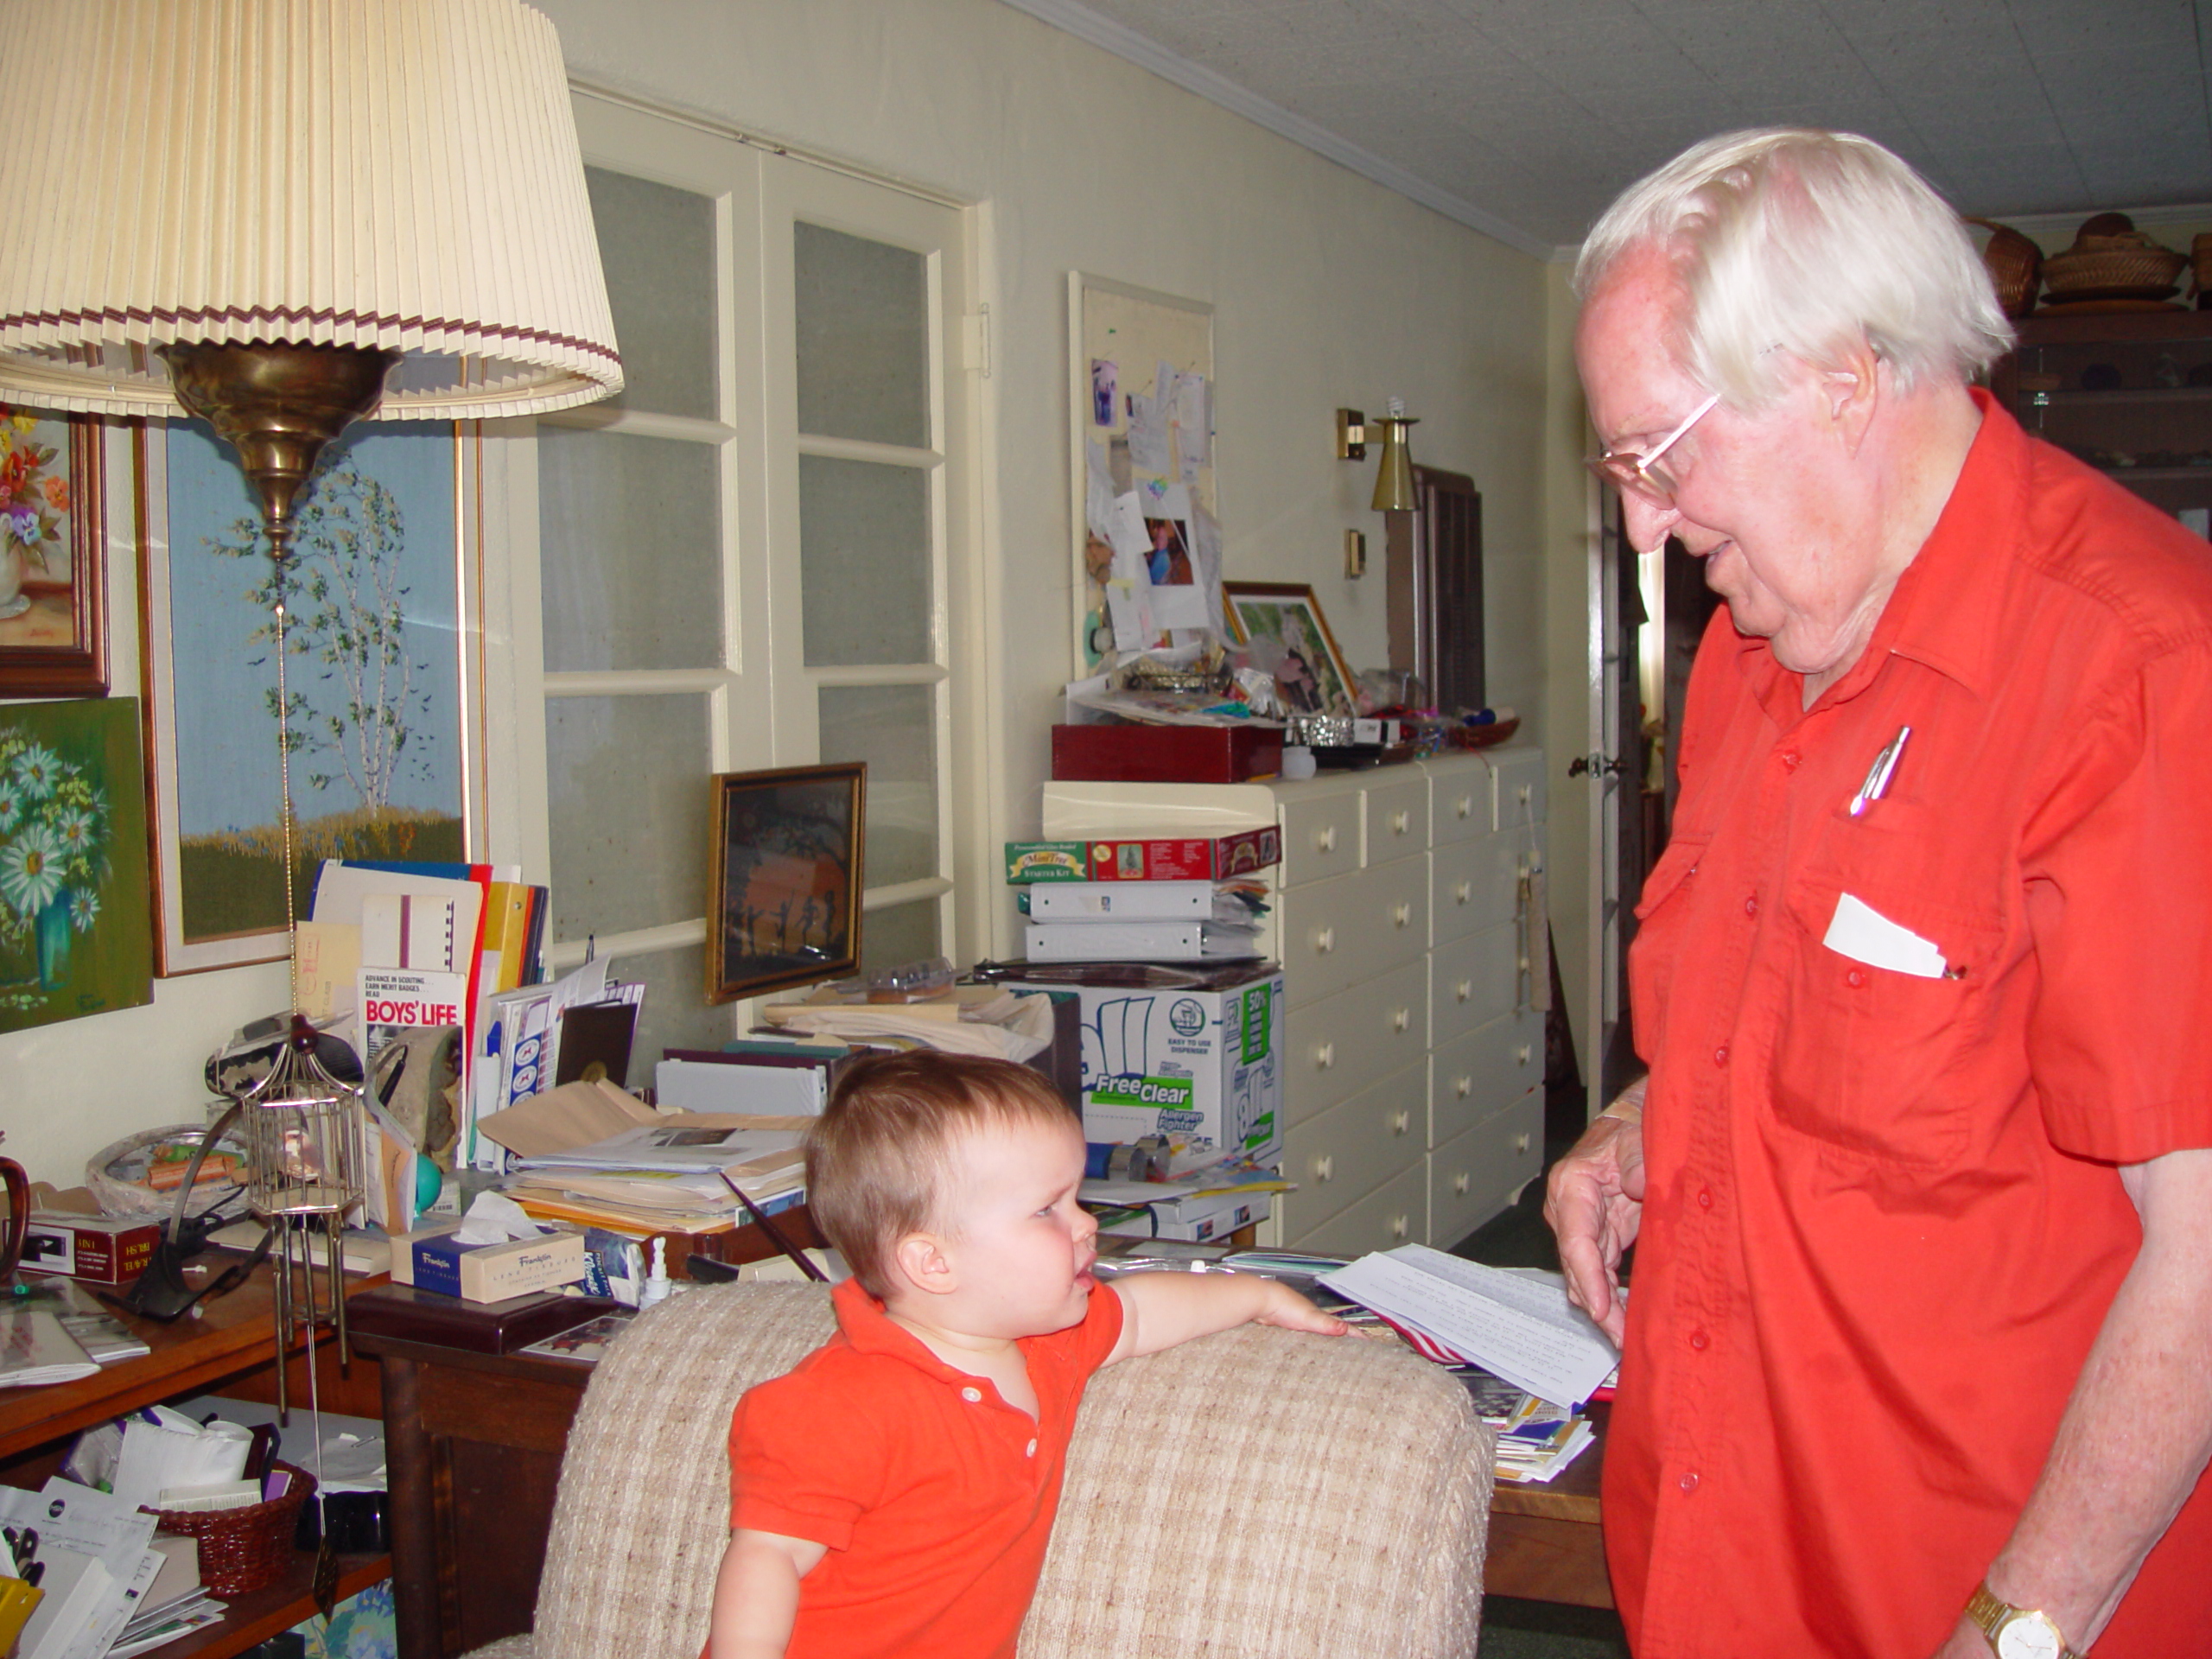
{"x": 1328, "y": 290}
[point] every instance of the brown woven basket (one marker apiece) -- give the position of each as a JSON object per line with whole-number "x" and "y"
{"x": 245, "y": 1549}
{"x": 2015, "y": 267}
{"x": 2103, "y": 264}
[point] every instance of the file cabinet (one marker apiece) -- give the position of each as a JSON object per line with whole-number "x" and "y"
{"x": 1404, "y": 910}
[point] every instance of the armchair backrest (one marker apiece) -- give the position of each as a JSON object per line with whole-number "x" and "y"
{"x": 1255, "y": 1493}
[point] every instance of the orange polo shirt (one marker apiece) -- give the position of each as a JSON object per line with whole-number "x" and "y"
{"x": 934, "y": 1497}
{"x": 1882, "y": 1226}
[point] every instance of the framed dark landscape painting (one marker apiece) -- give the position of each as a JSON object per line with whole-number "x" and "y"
{"x": 784, "y": 906}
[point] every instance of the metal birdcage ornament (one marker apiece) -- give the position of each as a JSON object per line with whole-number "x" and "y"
{"x": 303, "y": 1136}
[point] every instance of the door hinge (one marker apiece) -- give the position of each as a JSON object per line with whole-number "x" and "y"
{"x": 976, "y": 343}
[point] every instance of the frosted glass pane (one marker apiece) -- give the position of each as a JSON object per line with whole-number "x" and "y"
{"x": 627, "y": 781}
{"x": 863, "y": 338}
{"x": 629, "y": 533}
{"x": 864, "y": 559}
{"x": 890, "y": 728}
{"x": 677, "y": 1014}
{"x": 657, "y": 244}
{"x": 901, "y": 934}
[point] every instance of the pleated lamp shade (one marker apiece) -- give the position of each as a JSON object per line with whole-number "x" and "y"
{"x": 392, "y": 174}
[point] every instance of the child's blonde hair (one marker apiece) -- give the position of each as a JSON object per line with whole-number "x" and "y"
{"x": 879, "y": 1160}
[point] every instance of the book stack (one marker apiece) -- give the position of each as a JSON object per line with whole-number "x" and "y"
{"x": 104, "y": 1577}
{"x": 1172, "y": 899}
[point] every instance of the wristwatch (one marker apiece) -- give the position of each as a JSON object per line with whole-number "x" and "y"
{"x": 2015, "y": 1632}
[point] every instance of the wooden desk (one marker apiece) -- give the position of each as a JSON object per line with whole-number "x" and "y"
{"x": 231, "y": 1347}
{"x": 1545, "y": 1544}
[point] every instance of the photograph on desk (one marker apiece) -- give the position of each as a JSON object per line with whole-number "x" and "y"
{"x": 784, "y": 895}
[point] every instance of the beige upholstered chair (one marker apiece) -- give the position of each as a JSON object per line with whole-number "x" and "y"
{"x": 1256, "y": 1493}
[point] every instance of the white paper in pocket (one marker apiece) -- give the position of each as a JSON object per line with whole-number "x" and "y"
{"x": 1863, "y": 933}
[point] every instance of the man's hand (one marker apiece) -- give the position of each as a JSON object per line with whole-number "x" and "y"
{"x": 1594, "y": 1201}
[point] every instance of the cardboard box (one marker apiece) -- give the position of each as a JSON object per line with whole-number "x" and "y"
{"x": 103, "y": 1249}
{"x": 1203, "y": 1064}
{"x": 1047, "y": 860}
{"x": 433, "y": 1259}
{"x": 1180, "y": 858}
{"x": 1165, "y": 754}
{"x": 1198, "y": 1220}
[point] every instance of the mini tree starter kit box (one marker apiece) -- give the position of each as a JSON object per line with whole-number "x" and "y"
{"x": 1206, "y": 1064}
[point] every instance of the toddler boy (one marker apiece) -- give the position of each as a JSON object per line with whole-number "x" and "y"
{"x": 894, "y": 1494}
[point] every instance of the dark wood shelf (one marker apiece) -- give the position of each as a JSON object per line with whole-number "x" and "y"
{"x": 259, "y": 1614}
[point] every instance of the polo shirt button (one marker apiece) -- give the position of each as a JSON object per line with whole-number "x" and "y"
{"x": 1031, "y": 1451}
{"x": 973, "y": 1396}
{"x": 1790, "y": 758}
{"x": 1720, "y": 1055}
{"x": 1705, "y": 1197}
{"x": 1855, "y": 978}
{"x": 1751, "y": 905}
{"x": 1689, "y": 1482}
{"x": 1699, "y": 1339}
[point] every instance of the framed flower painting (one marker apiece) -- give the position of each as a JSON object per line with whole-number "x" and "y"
{"x": 52, "y": 556}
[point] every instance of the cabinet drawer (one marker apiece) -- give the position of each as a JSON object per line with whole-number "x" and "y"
{"x": 1477, "y": 884}
{"x": 1336, "y": 1046}
{"x": 1472, "y": 981}
{"x": 1520, "y": 781}
{"x": 1459, "y": 801}
{"x": 1397, "y": 817}
{"x": 1337, "y": 933}
{"x": 1482, "y": 1072}
{"x": 1350, "y": 1150}
{"x": 1320, "y": 837}
{"x": 1475, "y": 1175}
{"x": 1392, "y": 1215}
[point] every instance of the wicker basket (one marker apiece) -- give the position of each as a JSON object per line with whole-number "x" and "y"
{"x": 2015, "y": 266}
{"x": 244, "y": 1548}
{"x": 2129, "y": 262}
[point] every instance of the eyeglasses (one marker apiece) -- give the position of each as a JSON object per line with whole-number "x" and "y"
{"x": 1641, "y": 474}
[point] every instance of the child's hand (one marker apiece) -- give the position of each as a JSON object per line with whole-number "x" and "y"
{"x": 1286, "y": 1307}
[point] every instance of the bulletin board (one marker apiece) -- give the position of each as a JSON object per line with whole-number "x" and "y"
{"x": 1147, "y": 537}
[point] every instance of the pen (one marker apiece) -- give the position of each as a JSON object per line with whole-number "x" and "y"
{"x": 1877, "y": 775}
{"x": 775, "y": 1233}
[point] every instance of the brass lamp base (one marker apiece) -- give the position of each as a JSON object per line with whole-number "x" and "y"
{"x": 277, "y": 402}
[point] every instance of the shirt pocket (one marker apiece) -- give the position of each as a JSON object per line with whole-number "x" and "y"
{"x": 1662, "y": 919}
{"x": 1874, "y": 1060}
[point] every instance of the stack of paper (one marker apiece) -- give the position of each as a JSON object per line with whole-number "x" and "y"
{"x": 35, "y": 1351}
{"x": 1144, "y": 921}
{"x": 173, "y": 1605}
{"x": 98, "y": 1561}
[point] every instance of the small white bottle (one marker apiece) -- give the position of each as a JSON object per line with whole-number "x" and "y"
{"x": 655, "y": 1290}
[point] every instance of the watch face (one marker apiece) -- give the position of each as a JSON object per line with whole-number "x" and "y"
{"x": 2029, "y": 1635}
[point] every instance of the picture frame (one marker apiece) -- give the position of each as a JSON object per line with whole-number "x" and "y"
{"x": 783, "y": 901}
{"x": 385, "y": 534}
{"x": 52, "y": 556}
{"x": 1283, "y": 621}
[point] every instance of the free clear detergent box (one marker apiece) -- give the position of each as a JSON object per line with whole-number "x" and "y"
{"x": 1203, "y": 1064}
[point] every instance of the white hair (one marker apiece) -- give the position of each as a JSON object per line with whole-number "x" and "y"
{"x": 1811, "y": 242}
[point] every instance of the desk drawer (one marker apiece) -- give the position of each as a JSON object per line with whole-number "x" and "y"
{"x": 1474, "y": 980}
{"x": 1336, "y": 1046}
{"x": 1397, "y": 816}
{"x": 1337, "y": 933}
{"x": 1520, "y": 783}
{"x": 1459, "y": 801}
{"x": 1392, "y": 1215}
{"x": 1477, "y": 884}
{"x": 1474, "y": 1176}
{"x": 1483, "y": 1072}
{"x": 1350, "y": 1150}
{"x": 1320, "y": 837}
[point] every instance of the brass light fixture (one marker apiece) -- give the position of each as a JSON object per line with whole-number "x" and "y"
{"x": 1394, "y": 477}
{"x": 285, "y": 216}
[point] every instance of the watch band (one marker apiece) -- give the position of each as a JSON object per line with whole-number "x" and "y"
{"x": 1990, "y": 1616}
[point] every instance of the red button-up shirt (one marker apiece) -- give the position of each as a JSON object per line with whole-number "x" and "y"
{"x": 1883, "y": 1224}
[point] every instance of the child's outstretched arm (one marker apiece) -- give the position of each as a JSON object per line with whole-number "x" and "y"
{"x": 756, "y": 1593}
{"x": 1161, "y": 1309}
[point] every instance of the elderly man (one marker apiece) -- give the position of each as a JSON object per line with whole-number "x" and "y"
{"x": 1919, "y": 1358}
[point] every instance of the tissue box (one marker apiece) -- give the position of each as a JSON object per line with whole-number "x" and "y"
{"x": 433, "y": 1260}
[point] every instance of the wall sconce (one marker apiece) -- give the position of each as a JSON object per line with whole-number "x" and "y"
{"x": 1355, "y": 554}
{"x": 1394, "y": 480}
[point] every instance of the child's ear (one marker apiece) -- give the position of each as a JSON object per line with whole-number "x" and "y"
{"x": 921, "y": 1260}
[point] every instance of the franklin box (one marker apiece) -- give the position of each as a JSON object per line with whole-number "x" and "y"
{"x": 1203, "y": 1064}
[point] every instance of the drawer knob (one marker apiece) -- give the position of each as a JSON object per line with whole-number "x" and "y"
{"x": 1324, "y": 1056}
{"x": 1522, "y": 963}
{"x": 1523, "y": 1054}
{"x": 1400, "y": 1019}
{"x": 1401, "y": 914}
{"x": 1324, "y": 1167}
{"x": 1463, "y": 893}
{"x": 1400, "y": 823}
{"x": 1465, "y": 808}
{"x": 1462, "y": 990}
{"x": 1325, "y": 839}
{"x": 1324, "y": 940}
{"x": 1459, "y": 1184}
{"x": 1399, "y": 1226}
{"x": 1400, "y": 1121}
{"x": 1521, "y": 1143}
{"x": 1525, "y": 794}
{"x": 1463, "y": 1085}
